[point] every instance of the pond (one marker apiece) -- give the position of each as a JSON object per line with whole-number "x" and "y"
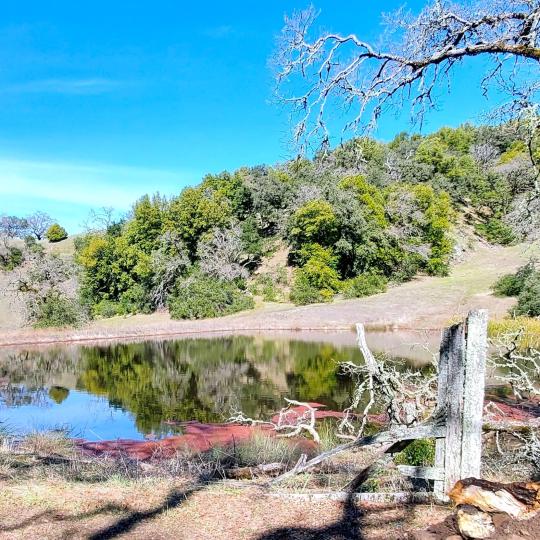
{"x": 139, "y": 390}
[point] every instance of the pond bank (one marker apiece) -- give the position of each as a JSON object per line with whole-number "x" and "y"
{"x": 423, "y": 303}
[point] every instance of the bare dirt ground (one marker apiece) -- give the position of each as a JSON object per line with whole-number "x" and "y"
{"x": 165, "y": 509}
{"x": 426, "y": 302}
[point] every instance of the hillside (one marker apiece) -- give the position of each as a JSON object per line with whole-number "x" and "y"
{"x": 425, "y": 302}
{"x": 367, "y": 219}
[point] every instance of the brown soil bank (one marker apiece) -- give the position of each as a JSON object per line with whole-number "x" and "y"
{"x": 426, "y": 302}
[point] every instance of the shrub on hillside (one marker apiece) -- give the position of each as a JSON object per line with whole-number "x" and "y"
{"x": 106, "y": 308}
{"x": 265, "y": 286}
{"x": 513, "y": 284}
{"x": 10, "y": 258}
{"x": 496, "y": 231}
{"x": 56, "y": 233}
{"x": 303, "y": 292}
{"x": 201, "y": 297}
{"x": 529, "y": 298}
{"x": 55, "y": 309}
{"x": 33, "y": 246}
{"x": 364, "y": 285}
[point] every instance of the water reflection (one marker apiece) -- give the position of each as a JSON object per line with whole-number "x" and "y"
{"x": 135, "y": 389}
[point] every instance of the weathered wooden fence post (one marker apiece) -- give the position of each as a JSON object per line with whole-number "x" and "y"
{"x": 462, "y": 367}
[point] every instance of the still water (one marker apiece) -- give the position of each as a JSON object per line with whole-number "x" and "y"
{"x": 138, "y": 390}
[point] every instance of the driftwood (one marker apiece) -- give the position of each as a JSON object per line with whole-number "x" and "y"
{"x": 270, "y": 470}
{"x": 518, "y": 499}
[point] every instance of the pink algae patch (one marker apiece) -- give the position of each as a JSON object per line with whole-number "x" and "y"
{"x": 196, "y": 437}
{"x": 199, "y": 437}
{"x": 507, "y": 410}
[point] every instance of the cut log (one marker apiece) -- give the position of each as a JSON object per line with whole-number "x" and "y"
{"x": 518, "y": 499}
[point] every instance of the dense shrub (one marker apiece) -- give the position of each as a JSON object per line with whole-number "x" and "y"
{"x": 10, "y": 258}
{"x": 200, "y": 297}
{"x": 364, "y": 285}
{"x": 106, "y": 308}
{"x": 525, "y": 284}
{"x": 529, "y": 298}
{"x": 265, "y": 286}
{"x": 317, "y": 280}
{"x": 420, "y": 453}
{"x": 56, "y": 233}
{"x": 55, "y": 309}
{"x": 33, "y": 246}
{"x": 513, "y": 284}
{"x": 303, "y": 292}
{"x": 496, "y": 232}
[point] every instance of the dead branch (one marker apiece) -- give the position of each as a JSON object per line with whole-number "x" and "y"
{"x": 420, "y": 55}
{"x": 520, "y": 369}
{"x": 289, "y": 424}
{"x": 432, "y": 428}
{"x": 408, "y": 396}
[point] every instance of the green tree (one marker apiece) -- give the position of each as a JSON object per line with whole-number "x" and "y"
{"x": 56, "y": 233}
{"x": 195, "y": 212}
{"x": 314, "y": 222}
{"x": 146, "y": 224}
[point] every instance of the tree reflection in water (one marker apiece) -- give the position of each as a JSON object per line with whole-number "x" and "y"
{"x": 180, "y": 380}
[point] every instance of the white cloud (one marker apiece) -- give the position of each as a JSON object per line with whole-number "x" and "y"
{"x": 88, "y": 185}
{"x": 65, "y": 86}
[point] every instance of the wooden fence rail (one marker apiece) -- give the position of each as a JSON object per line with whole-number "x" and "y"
{"x": 456, "y": 423}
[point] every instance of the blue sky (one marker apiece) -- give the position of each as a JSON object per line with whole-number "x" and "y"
{"x": 101, "y": 102}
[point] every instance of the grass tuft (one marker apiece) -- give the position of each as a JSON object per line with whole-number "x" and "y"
{"x": 261, "y": 449}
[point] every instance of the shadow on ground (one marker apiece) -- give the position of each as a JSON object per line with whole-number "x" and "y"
{"x": 354, "y": 522}
{"x": 351, "y": 525}
{"x": 122, "y": 525}
{"x": 126, "y": 523}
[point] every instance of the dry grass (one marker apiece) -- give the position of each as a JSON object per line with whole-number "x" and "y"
{"x": 64, "y": 494}
{"x": 156, "y": 509}
{"x": 528, "y": 325}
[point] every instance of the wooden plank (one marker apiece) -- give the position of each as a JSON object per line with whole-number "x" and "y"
{"x": 442, "y": 390}
{"x": 473, "y": 393}
{"x": 432, "y": 428}
{"x": 454, "y": 347}
{"x": 427, "y": 473}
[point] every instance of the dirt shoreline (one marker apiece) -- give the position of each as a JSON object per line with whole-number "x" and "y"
{"x": 425, "y": 303}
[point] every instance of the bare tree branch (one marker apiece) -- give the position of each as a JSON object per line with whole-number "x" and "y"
{"x": 420, "y": 53}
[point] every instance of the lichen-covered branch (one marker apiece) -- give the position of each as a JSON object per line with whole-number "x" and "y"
{"x": 314, "y": 74}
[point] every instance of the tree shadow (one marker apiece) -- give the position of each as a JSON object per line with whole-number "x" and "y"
{"x": 54, "y": 515}
{"x": 124, "y": 524}
{"x": 349, "y": 527}
{"x": 174, "y": 499}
